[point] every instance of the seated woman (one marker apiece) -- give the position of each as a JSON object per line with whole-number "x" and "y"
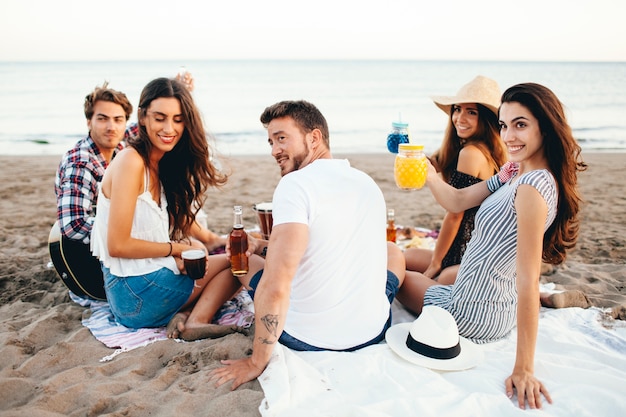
{"x": 146, "y": 216}
{"x": 526, "y": 215}
{"x": 471, "y": 151}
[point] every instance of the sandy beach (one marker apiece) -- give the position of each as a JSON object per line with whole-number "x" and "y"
{"x": 51, "y": 363}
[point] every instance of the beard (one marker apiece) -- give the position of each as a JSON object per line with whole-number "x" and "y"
{"x": 298, "y": 160}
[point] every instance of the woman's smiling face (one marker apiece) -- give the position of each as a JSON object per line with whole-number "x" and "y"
{"x": 521, "y": 134}
{"x": 164, "y": 123}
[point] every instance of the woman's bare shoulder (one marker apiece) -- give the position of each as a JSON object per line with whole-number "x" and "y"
{"x": 472, "y": 161}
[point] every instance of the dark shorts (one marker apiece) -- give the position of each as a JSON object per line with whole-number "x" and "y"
{"x": 291, "y": 342}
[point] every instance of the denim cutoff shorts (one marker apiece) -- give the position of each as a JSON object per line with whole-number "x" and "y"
{"x": 285, "y": 339}
{"x": 149, "y": 300}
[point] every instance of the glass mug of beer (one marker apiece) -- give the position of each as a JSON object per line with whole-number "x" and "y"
{"x": 195, "y": 263}
{"x": 265, "y": 219}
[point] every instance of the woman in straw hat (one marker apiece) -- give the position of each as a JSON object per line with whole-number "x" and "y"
{"x": 471, "y": 151}
{"x": 527, "y": 214}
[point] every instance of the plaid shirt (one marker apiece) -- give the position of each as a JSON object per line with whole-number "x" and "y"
{"x": 76, "y": 188}
{"x": 132, "y": 131}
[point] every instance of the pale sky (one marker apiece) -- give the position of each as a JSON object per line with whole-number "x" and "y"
{"x": 526, "y": 30}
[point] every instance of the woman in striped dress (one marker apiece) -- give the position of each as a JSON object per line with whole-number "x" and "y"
{"x": 527, "y": 214}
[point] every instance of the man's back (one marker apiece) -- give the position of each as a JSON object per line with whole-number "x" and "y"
{"x": 341, "y": 277}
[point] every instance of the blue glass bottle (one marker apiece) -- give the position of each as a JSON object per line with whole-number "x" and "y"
{"x": 399, "y": 134}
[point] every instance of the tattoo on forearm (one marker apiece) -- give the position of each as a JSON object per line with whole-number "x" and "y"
{"x": 266, "y": 341}
{"x": 271, "y": 323}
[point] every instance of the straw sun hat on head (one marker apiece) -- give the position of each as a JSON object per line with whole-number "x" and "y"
{"x": 480, "y": 90}
{"x": 433, "y": 341}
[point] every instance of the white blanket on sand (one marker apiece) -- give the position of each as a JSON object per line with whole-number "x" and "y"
{"x": 580, "y": 357}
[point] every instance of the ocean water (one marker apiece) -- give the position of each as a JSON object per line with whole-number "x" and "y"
{"x": 41, "y": 103}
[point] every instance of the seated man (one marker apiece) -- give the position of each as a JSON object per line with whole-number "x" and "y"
{"x": 329, "y": 275}
{"x": 76, "y": 187}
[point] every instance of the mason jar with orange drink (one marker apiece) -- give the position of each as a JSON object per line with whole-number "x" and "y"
{"x": 410, "y": 167}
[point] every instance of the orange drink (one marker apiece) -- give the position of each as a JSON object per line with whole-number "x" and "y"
{"x": 410, "y": 167}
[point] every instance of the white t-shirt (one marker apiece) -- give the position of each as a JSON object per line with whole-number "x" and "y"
{"x": 338, "y": 296}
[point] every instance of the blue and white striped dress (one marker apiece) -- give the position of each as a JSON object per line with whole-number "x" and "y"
{"x": 483, "y": 299}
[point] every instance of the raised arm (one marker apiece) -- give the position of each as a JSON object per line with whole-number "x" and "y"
{"x": 471, "y": 162}
{"x": 452, "y": 199}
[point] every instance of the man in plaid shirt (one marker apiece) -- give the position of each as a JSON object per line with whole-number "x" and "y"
{"x": 81, "y": 170}
{"x": 76, "y": 184}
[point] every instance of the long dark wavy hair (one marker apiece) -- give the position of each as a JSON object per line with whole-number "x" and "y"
{"x": 564, "y": 160}
{"x": 486, "y": 138}
{"x": 186, "y": 172}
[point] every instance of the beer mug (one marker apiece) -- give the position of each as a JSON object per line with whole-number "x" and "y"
{"x": 264, "y": 218}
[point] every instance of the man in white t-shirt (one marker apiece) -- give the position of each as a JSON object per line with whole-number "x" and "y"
{"x": 329, "y": 275}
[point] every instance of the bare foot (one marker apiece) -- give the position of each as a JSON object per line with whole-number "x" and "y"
{"x": 619, "y": 312}
{"x": 571, "y": 298}
{"x": 209, "y": 331}
{"x": 176, "y": 325}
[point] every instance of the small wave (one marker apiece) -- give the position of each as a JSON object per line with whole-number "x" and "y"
{"x": 599, "y": 129}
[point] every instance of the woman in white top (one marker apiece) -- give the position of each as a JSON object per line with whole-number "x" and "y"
{"x": 146, "y": 217}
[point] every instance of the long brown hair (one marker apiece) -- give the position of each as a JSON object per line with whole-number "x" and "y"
{"x": 564, "y": 160}
{"x": 186, "y": 172}
{"x": 486, "y": 138}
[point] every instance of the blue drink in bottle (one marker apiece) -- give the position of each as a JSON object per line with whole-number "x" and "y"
{"x": 399, "y": 134}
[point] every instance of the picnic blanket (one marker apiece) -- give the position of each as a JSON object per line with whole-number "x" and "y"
{"x": 580, "y": 357}
{"x": 99, "y": 319}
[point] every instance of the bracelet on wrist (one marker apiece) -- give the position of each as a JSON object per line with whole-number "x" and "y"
{"x": 170, "y": 252}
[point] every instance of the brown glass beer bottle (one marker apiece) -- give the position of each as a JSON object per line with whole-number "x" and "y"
{"x": 238, "y": 245}
{"x": 391, "y": 226}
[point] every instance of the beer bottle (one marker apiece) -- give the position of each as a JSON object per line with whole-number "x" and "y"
{"x": 238, "y": 245}
{"x": 391, "y": 226}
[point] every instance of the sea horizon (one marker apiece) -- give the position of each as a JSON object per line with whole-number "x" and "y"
{"x": 41, "y": 105}
{"x": 425, "y": 60}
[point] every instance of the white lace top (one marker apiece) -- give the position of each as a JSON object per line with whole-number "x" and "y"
{"x": 150, "y": 222}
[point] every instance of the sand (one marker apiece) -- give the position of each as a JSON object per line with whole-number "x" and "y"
{"x": 50, "y": 363}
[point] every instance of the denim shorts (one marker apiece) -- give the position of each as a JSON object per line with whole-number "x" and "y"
{"x": 149, "y": 300}
{"x": 393, "y": 284}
